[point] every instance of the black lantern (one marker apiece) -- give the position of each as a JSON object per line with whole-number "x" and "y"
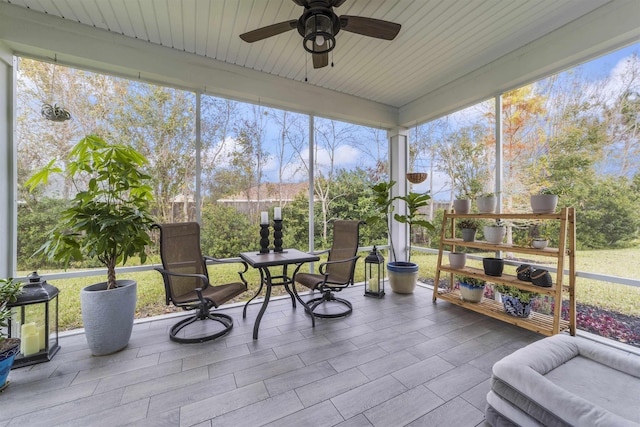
{"x": 34, "y": 319}
{"x": 374, "y": 274}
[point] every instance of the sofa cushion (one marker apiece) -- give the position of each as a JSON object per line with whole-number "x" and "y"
{"x": 574, "y": 381}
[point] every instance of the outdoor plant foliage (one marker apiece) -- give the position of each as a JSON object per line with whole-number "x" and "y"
{"x": 524, "y": 296}
{"x": 109, "y": 217}
{"x": 9, "y": 291}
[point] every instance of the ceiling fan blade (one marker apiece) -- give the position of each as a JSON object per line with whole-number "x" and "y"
{"x": 370, "y": 27}
{"x": 320, "y": 60}
{"x": 302, "y": 3}
{"x": 268, "y": 31}
{"x": 337, "y": 3}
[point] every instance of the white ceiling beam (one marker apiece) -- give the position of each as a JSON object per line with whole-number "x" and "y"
{"x": 43, "y": 36}
{"x": 607, "y": 28}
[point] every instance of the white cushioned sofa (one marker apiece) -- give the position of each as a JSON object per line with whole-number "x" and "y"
{"x": 565, "y": 381}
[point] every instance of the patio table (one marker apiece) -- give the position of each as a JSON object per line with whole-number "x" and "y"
{"x": 264, "y": 262}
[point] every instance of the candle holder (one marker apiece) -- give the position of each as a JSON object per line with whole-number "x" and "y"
{"x": 277, "y": 235}
{"x": 264, "y": 240}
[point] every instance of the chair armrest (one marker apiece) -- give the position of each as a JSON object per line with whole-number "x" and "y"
{"x": 323, "y": 266}
{"x": 231, "y": 261}
{"x": 169, "y": 273}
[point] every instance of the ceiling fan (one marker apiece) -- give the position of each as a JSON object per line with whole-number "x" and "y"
{"x": 319, "y": 25}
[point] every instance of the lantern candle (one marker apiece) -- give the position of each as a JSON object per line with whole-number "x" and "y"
{"x": 277, "y": 213}
{"x": 29, "y": 339}
{"x": 264, "y": 217}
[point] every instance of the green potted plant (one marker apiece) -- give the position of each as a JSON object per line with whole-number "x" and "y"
{"x": 468, "y": 228}
{"x": 9, "y": 347}
{"x": 471, "y": 289}
{"x": 545, "y": 201}
{"x": 516, "y": 301}
{"x": 494, "y": 232}
{"x": 538, "y": 237}
{"x": 462, "y": 204}
{"x": 487, "y": 202}
{"x": 108, "y": 219}
{"x": 403, "y": 275}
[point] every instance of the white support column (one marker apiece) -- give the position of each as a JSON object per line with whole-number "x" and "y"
{"x": 311, "y": 186}
{"x": 499, "y": 151}
{"x": 398, "y": 163}
{"x": 8, "y": 200}
{"x": 198, "y": 189}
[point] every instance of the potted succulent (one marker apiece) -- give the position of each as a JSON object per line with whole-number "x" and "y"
{"x": 516, "y": 301}
{"x": 545, "y": 202}
{"x": 109, "y": 220}
{"x": 471, "y": 289}
{"x": 457, "y": 259}
{"x": 538, "y": 236}
{"x": 9, "y": 347}
{"x": 462, "y": 204}
{"x": 403, "y": 275}
{"x": 487, "y": 202}
{"x": 468, "y": 228}
{"x": 494, "y": 232}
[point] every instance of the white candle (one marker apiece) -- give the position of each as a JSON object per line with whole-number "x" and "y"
{"x": 264, "y": 217}
{"x": 277, "y": 213}
{"x": 29, "y": 339}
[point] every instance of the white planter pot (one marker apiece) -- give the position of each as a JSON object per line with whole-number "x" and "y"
{"x": 539, "y": 243}
{"x": 403, "y": 276}
{"x": 494, "y": 234}
{"x": 457, "y": 259}
{"x": 108, "y": 316}
{"x": 544, "y": 203}
{"x": 487, "y": 204}
{"x": 471, "y": 293}
{"x": 462, "y": 206}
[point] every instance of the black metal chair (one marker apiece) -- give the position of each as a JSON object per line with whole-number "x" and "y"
{"x": 186, "y": 281}
{"x": 335, "y": 274}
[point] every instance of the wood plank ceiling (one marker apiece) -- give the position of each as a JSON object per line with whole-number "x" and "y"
{"x": 440, "y": 40}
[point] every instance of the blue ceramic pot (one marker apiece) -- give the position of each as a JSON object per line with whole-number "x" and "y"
{"x": 515, "y": 307}
{"x": 6, "y": 361}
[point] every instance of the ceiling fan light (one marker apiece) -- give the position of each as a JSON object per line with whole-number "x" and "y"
{"x": 319, "y": 34}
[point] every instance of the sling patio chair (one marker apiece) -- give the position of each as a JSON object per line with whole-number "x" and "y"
{"x": 336, "y": 273}
{"x": 186, "y": 283}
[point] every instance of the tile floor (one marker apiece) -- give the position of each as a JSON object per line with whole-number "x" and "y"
{"x": 396, "y": 361}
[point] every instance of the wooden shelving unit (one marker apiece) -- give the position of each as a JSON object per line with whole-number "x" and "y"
{"x": 541, "y": 323}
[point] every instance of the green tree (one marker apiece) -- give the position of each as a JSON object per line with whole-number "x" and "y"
{"x": 229, "y": 231}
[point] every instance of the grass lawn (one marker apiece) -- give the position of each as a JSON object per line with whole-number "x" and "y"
{"x": 151, "y": 298}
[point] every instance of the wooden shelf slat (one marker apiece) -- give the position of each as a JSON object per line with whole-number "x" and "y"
{"x": 505, "y": 279}
{"x": 537, "y": 322}
{"x": 505, "y": 247}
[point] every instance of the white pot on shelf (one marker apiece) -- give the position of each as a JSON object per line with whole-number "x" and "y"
{"x": 462, "y": 206}
{"x": 494, "y": 233}
{"x": 539, "y": 243}
{"x": 487, "y": 204}
{"x": 457, "y": 259}
{"x": 544, "y": 203}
